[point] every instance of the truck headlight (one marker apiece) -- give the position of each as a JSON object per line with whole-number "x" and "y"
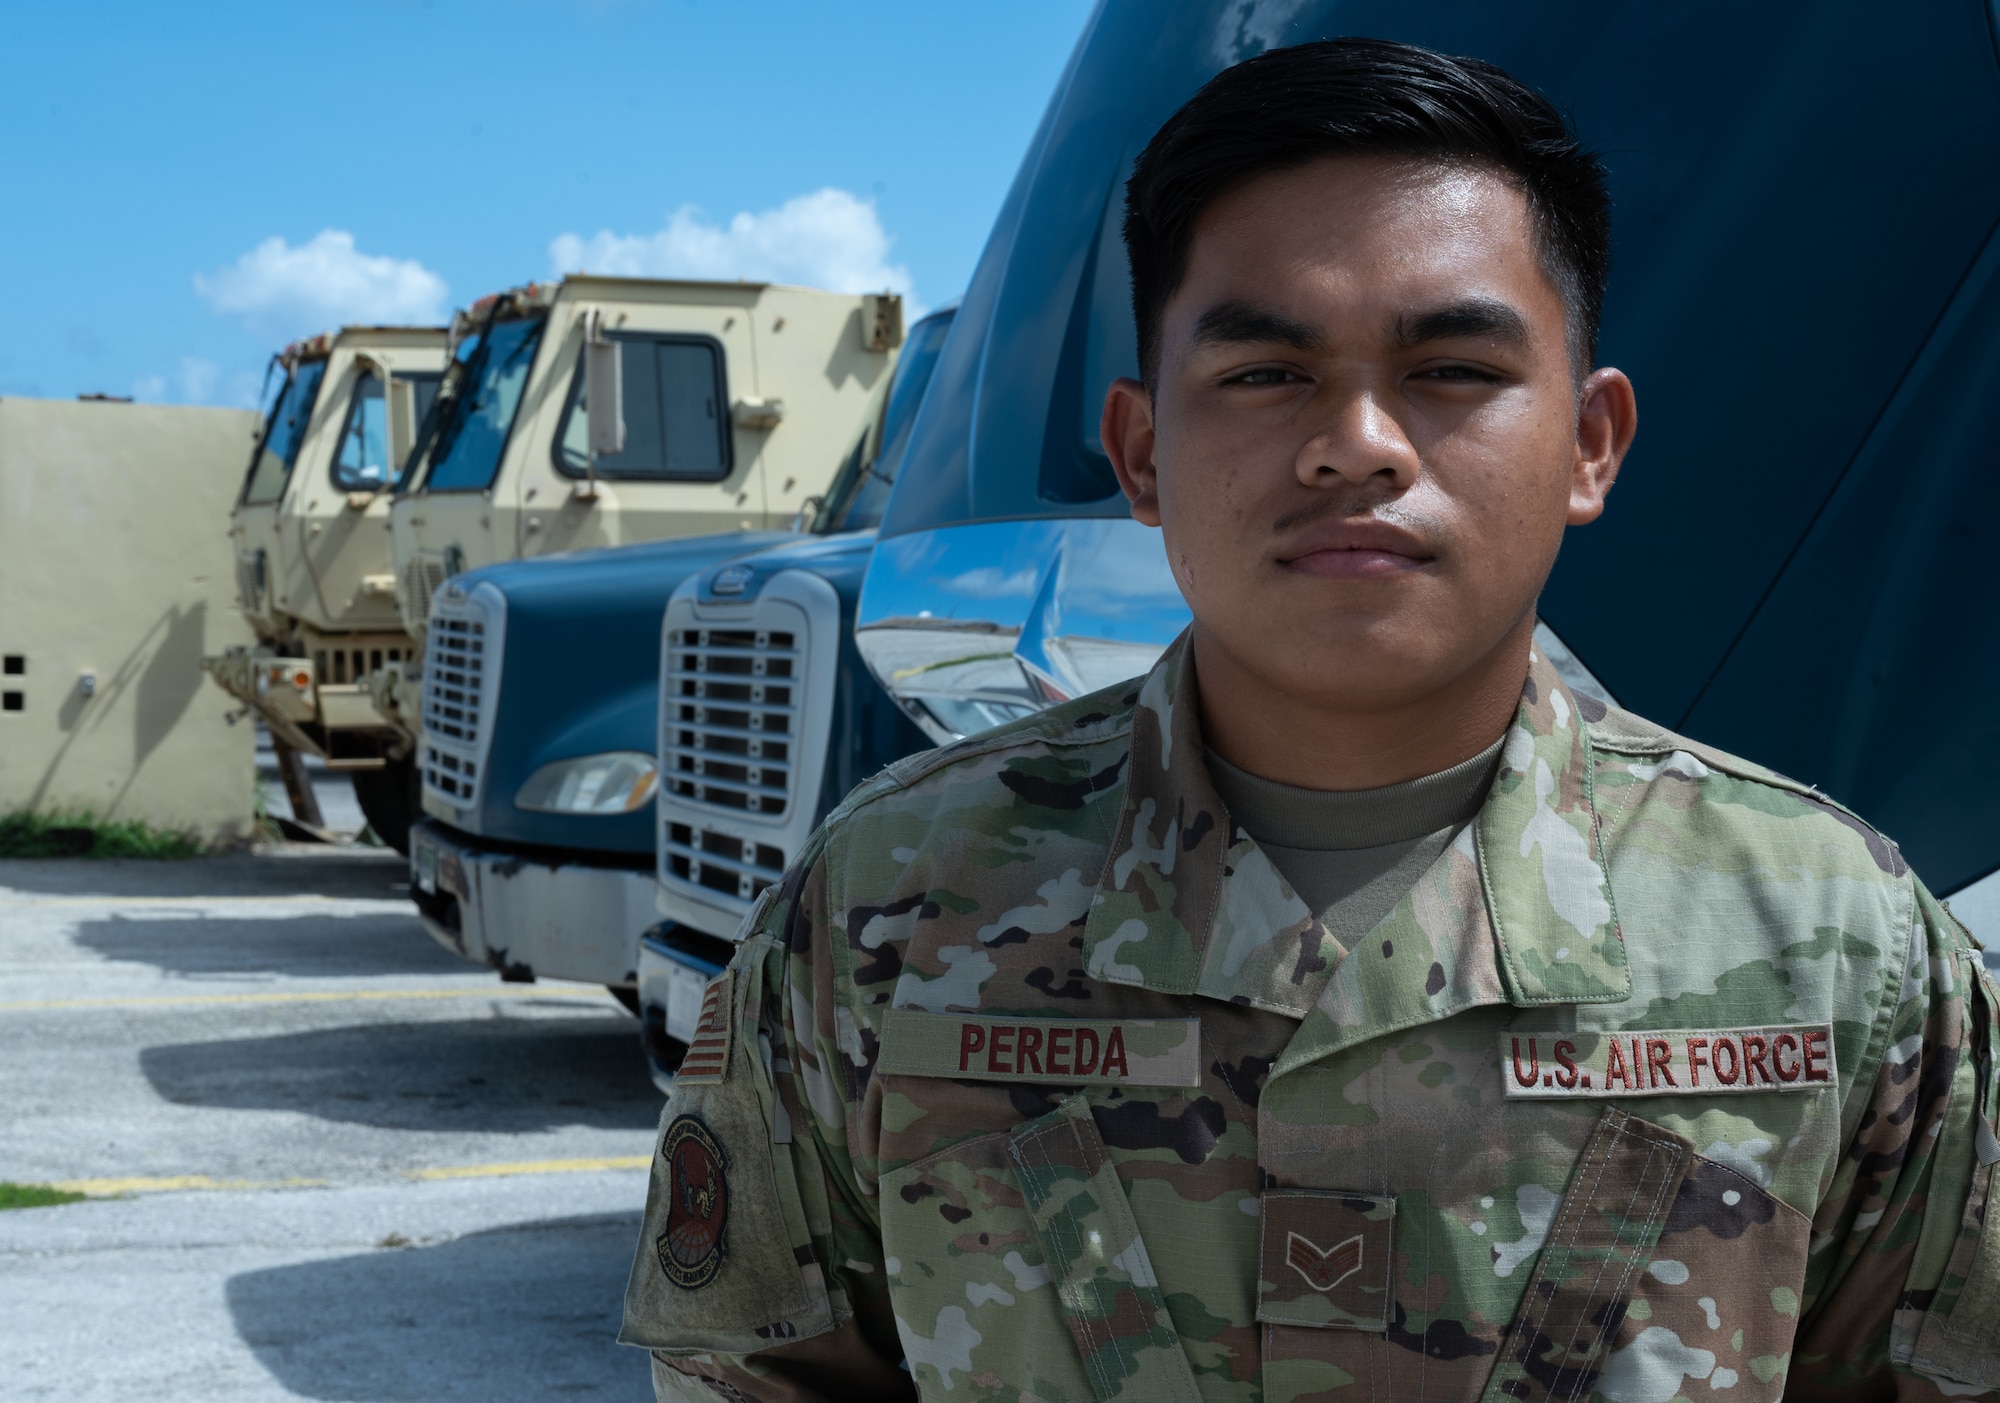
{"x": 615, "y": 782}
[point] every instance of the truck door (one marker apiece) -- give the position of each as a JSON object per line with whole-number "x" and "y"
{"x": 679, "y": 455}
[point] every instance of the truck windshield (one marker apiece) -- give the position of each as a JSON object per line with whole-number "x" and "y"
{"x": 362, "y": 462}
{"x": 476, "y": 419}
{"x": 278, "y": 446}
{"x": 860, "y": 489}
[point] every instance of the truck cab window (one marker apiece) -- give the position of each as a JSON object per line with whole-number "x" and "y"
{"x": 285, "y": 429}
{"x": 362, "y": 463}
{"x": 466, "y": 454}
{"x": 675, "y": 424}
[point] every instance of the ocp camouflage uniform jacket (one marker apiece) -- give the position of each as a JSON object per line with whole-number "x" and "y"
{"x": 1666, "y": 1080}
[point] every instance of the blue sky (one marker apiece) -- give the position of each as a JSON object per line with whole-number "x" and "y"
{"x": 189, "y": 186}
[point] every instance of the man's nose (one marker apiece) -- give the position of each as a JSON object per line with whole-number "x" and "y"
{"x": 1358, "y": 441}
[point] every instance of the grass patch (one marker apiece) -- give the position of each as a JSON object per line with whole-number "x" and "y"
{"x": 81, "y": 834}
{"x": 33, "y": 1195}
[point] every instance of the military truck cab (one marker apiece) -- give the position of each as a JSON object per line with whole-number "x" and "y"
{"x": 540, "y": 676}
{"x": 728, "y": 395}
{"x": 314, "y": 566}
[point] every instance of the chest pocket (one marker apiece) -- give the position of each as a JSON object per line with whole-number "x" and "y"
{"x": 1018, "y": 1252}
{"x": 1960, "y": 1336}
{"x": 1657, "y": 1272}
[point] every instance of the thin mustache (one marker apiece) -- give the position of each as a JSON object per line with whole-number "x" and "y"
{"x": 1320, "y": 510}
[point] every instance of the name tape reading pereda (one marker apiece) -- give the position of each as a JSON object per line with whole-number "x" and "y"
{"x": 1680, "y": 1062}
{"x": 1122, "y": 1051}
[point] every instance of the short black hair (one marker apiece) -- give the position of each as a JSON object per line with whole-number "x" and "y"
{"x": 1366, "y": 97}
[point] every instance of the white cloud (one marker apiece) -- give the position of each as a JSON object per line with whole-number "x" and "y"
{"x": 323, "y": 283}
{"x": 829, "y": 239}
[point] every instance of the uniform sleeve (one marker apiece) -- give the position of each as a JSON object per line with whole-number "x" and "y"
{"x": 759, "y": 1271}
{"x": 1903, "y": 1280}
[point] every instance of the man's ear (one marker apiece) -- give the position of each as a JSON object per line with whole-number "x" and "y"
{"x": 1127, "y": 432}
{"x": 1607, "y": 416}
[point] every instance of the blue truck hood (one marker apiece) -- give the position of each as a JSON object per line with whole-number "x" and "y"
{"x": 581, "y": 674}
{"x": 841, "y": 560}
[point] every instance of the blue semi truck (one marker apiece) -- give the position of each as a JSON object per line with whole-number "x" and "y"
{"x": 544, "y": 864}
{"x": 1767, "y": 582}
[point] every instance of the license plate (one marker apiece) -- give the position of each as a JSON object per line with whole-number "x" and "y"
{"x": 424, "y": 858}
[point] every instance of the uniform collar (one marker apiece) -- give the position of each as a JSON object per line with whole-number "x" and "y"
{"x": 1518, "y": 910}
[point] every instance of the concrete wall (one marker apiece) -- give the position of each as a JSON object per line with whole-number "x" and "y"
{"x": 114, "y": 560}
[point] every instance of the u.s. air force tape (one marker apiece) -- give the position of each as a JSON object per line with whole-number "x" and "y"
{"x": 1072, "y": 1051}
{"x": 1676, "y": 1062}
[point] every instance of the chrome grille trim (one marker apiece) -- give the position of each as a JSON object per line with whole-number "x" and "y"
{"x": 462, "y": 657}
{"x": 746, "y": 704}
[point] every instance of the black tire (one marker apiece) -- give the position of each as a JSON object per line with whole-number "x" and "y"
{"x": 626, "y": 995}
{"x": 388, "y": 799}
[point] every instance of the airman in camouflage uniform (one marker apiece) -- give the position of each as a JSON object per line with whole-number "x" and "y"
{"x": 1037, "y": 1079}
{"x": 923, "y": 1013}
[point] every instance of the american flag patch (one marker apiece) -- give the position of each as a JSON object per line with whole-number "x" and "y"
{"x": 707, "y": 1057}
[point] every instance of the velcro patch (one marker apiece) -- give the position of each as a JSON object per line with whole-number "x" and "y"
{"x": 707, "y": 1057}
{"x": 1325, "y": 1259}
{"x": 691, "y": 1248}
{"x": 1068, "y": 1051}
{"x": 1669, "y": 1062}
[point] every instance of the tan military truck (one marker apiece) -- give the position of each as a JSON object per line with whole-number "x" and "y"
{"x": 718, "y": 400}
{"x": 315, "y": 571}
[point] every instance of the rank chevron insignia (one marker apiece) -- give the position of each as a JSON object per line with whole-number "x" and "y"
{"x": 1323, "y": 1269}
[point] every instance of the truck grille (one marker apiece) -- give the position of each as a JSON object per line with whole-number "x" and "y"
{"x": 461, "y": 683}
{"x": 732, "y": 718}
{"x": 719, "y": 862}
{"x": 743, "y": 722}
{"x": 421, "y": 578}
{"x": 252, "y": 578}
{"x": 344, "y": 663}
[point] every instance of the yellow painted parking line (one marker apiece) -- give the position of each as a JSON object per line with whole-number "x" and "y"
{"x": 190, "y": 1183}
{"x": 483, "y": 991}
{"x": 533, "y": 1166}
{"x": 176, "y": 1183}
{"x": 26, "y": 903}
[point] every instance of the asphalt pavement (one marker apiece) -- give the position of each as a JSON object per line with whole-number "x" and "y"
{"x": 326, "y": 1159}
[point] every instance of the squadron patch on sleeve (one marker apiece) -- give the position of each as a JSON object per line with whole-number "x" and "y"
{"x": 691, "y": 1248}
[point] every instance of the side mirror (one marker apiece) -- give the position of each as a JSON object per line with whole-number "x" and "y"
{"x": 603, "y": 389}
{"x": 882, "y": 321}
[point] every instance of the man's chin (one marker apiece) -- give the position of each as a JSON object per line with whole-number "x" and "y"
{"x": 1390, "y": 660}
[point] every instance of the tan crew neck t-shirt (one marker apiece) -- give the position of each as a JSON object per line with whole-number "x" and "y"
{"x": 1351, "y": 855}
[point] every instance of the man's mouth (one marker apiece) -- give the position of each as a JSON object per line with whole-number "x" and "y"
{"x": 1355, "y": 550}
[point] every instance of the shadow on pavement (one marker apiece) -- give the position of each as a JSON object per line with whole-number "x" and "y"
{"x": 523, "y": 1312}
{"x": 513, "y": 1071}
{"x": 303, "y": 870}
{"x": 299, "y": 947}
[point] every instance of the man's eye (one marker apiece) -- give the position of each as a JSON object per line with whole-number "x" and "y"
{"x": 1264, "y": 375}
{"x": 1459, "y": 375}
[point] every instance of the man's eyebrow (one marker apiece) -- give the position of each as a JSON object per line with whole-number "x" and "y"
{"x": 1235, "y": 323}
{"x": 1483, "y": 317}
